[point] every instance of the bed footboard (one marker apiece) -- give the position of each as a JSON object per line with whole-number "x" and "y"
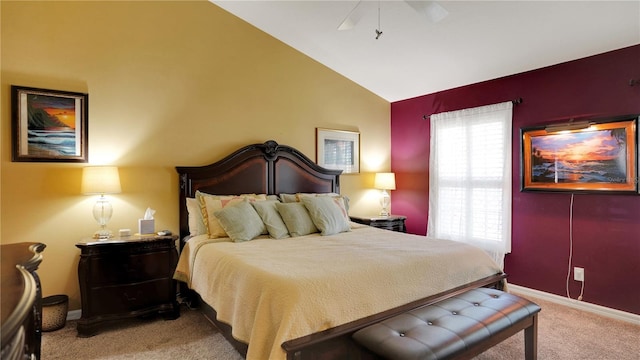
{"x": 336, "y": 343}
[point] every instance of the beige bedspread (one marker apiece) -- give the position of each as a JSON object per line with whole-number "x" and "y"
{"x": 272, "y": 291}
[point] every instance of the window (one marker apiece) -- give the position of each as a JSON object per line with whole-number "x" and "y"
{"x": 470, "y": 178}
{"x": 338, "y": 152}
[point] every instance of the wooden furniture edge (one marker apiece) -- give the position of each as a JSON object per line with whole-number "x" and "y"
{"x": 24, "y": 306}
{"x": 30, "y": 301}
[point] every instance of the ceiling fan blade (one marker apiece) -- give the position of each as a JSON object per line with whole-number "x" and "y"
{"x": 352, "y": 18}
{"x": 431, "y": 9}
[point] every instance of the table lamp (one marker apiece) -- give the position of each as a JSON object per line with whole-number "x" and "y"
{"x": 101, "y": 180}
{"x": 384, "y": 182}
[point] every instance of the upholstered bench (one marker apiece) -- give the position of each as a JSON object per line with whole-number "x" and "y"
{"x": 459, "y": 327}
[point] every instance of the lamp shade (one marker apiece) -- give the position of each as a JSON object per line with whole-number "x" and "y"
{"x": 385, "y": 181}
{"x": 100, "y": 180}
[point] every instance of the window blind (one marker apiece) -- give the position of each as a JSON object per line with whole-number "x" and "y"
{"x": 470, "y": 177}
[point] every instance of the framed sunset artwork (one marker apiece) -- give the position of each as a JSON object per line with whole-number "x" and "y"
{"x": 49, "y": 125}
{"x": 586, "y": 156}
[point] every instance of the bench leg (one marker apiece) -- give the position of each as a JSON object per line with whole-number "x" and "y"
{"x": 531, "y": 340}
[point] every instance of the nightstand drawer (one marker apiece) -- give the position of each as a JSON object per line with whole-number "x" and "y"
{"x": 391, "y": 222}
{"x": 123, "y": 268}
{"x": 125, "y": 298}
{"x": 390, "y": 225}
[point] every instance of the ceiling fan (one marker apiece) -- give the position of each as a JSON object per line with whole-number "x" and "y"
{"x": 432, "y": 10}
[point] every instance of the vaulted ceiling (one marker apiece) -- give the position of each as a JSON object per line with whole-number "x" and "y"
{"x": 417, "y": 55}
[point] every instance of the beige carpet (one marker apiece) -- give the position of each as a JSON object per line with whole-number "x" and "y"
{"x": 190, "y": 337}
{"x": 564, "y": 334}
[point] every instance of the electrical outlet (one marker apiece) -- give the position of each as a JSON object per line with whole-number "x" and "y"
{"x": 578, "y": 274}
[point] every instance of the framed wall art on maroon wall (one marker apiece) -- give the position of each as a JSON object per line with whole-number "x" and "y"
{"x": 578, "y": 156}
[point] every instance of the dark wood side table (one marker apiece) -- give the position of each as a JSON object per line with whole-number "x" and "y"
{"x": 126, "y": 277}
{"x": 21, "y": 301}
{"x": 391, "y": 222}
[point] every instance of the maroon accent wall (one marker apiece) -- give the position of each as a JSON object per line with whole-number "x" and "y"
{"x": 606, "y": 228}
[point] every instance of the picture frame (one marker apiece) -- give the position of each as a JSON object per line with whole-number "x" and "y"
{"x": 49, "y": 125}
{"x": 338, "y": 150}
{"x": 586, "y": 156}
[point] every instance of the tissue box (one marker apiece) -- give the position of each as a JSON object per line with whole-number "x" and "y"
{"x": 146, "y": 226}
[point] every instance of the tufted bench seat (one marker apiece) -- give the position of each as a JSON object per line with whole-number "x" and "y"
{"x": 459, "y": 327}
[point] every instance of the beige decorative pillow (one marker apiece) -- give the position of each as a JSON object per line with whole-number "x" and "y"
{"x": 212, "y": 203}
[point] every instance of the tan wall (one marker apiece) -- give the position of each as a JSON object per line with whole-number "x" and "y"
{"x": 169, "y": 83}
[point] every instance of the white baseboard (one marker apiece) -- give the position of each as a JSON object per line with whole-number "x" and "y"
{"x": 576, "y": 304}
{"x": 74, "y": 314}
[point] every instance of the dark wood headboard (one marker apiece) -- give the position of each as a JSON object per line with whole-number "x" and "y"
{"x": 268, "y": 168}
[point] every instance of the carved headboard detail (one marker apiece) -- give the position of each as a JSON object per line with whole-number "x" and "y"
{"x": 268, "y": 168}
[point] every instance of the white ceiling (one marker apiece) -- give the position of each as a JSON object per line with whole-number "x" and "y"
{"x": 477, "y": 41}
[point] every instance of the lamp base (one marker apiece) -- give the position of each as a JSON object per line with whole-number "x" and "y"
{"x": 103, "y": 234}
{"x": 385, "y": 201}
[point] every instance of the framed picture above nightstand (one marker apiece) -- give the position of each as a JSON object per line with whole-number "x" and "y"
{"x": 391, "y": 222}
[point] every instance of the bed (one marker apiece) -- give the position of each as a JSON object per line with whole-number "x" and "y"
{"x": 301, "y": 297}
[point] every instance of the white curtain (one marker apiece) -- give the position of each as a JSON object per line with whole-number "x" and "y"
{"x": 470, "y": 178}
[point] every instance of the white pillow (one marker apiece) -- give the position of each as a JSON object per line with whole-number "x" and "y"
{"x": 196, "y": 222}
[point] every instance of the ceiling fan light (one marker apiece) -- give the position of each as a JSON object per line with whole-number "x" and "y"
{"x": 352, "y": 18}
{"x": 435, "y": 12}
{"x": 347, "y": 24}
{"x": 431, "y": 9}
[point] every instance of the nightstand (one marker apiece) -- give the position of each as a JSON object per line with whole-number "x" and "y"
{"x": 126, "y": 277}
{"x": 391, "y": 222}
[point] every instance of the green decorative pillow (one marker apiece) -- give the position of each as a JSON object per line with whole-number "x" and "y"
{"x": 296, "y": 218}
{"x": 288, "y": 198}
{"x": 327, "y": 213}
{"x": 240, "y": 221}
{"x": 271, "y": 218}
{"x": 298, "y": 196}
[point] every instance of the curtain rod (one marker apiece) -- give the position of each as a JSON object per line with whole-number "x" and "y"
{"x": 515, "y": 102}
